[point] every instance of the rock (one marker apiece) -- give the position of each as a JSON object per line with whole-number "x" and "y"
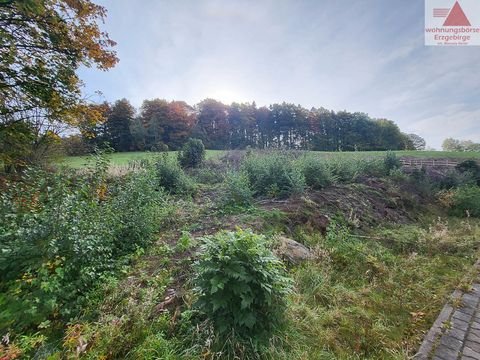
{"x": 292, "y": 251}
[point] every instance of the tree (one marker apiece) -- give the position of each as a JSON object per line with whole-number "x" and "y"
{"x": 92, "y": 124}
{"x": 212, "y": 124}
{"x": 451, "y": 144}
{"x": 192, "y": 153}
{"x": 154, "y": 114}
{"x": 42, "y": 43}
{"x": 179, "y": 124}
{"x": 417, "y": 141}
{"x": 118, "y": 125}
{"x": 468, "y": 145}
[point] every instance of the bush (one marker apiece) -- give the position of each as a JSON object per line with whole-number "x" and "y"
{"x": 344, "y": 170}
{"x": 241, "y": 285}
{"x": 140, "y": 209}
{"x": 212, "y": 171}
{"x": 192, "y": 154}
{"x": 466, "y": 201}
{"x": 60, "y": 233}
{"x": 470, "y": 167}
{"x": 236, "y": 191}
{"x": 454, "y": 179}
{"x": 316, "y": 173}
{"x": 273, "y": 175}
{"x": 391, "y": 162}
{"x": 171, "y": 176}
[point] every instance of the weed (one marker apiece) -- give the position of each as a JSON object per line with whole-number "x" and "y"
{"x": 241, "y": 286}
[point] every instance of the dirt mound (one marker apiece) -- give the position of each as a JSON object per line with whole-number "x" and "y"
{"x": 363, "y": 205}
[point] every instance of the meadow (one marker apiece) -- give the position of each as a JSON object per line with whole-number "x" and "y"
{"x": 122, "y": 158}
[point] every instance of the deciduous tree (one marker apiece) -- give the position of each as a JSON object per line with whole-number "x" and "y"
{"x": 42, "y": 44}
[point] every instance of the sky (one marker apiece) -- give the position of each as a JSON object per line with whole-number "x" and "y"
{"x": 364, "y": 55}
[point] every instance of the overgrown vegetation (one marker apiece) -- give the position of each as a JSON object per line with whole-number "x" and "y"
{"x": 60, "y": 233}
{"x": 192, "y": 154}
{"x": 241, "y": 287}
{"x": 273, "y": 175}
{"x": 98, "y": 265}
{"x": 171, "y": 176}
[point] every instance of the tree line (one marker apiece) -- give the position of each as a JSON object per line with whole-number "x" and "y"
{"x": 165, "y": 125}
{"x": 451, "y": 144}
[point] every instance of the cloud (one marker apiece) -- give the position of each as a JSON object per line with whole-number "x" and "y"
{"x": 364, "y": 56}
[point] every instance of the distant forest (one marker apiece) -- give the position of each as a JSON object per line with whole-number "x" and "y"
{"x": 162, "y": 125}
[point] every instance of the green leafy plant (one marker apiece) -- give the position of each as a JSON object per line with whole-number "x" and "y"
{"x": 61, "y": 233}
{"x": 236, "y": 191}
{"x": 317, "y": 174}
{"x": 139, "y": 209}
{"x": 466, "y": 201}
{"x": 470, "y": 167}
{"x": 241, "y": 285}
{"x": 273, "y": 175}
{"x": 391, "y": 162}
{"x": 171, "y": 176}
{"x": 192, "y": 154}
{"x": 185, "y": 242}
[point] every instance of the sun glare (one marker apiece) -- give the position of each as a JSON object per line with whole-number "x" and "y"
{"x": 226, "y": 95}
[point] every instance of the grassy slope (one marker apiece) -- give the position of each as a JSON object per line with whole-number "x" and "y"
{"x": 367, "y": 297}
{"x": 371, "y": 297}
{"x": 126, "y": 157}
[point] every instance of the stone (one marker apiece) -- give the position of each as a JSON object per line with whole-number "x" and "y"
{"x": 459, "y": 324}
{"x": 470, "y": 301}
{"x": 470, "y": 353}
{"x": 451, "y": 343}
{"x": 292, "y": 251}
{"x": 456, "y": 333}
{"x": 445, "y": 352}
{"x": 472, "y": 345}
{"x": 462, "y": 316}
{"x": 473, "y": 336}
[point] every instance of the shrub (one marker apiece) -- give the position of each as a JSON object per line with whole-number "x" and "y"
{"x": 211, "y": 172}
{"x": 391, "y": 162}
{"x": 344, "y": 170}
{"x": 160, "y": 147}
{"x": 56, "y": 239}
{"x": 60, "y": 233}
{"x": 236, "y": 191}
{"x": 273, "y": 175}
{"x": 171, "y": 176}
{"x": 241, "y": 285}
{"x": 470, "y": 167}
{"x": 453, "y": 179}
{"x": 316, "y": 173}
{"x": 192, "y": 153}
{"x": 398, "y": 175}
{"x": 140, "y": 209}
{"x": 466, "y": 201}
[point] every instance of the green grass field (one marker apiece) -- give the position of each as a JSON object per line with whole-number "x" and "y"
{"x": 124, "y": 158}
